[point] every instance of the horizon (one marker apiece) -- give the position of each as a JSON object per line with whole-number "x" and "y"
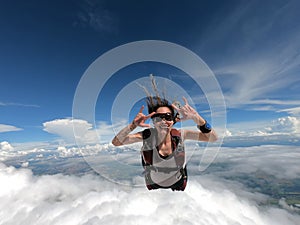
{"x": 73, "y": 75}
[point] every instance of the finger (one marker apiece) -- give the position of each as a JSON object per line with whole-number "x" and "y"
{"x": 185, "y": 101}
{"x": 181, "y": 119}
{"x": 177, "y": 104}
{"x": 144, "y": 125}
{"x": 151, "y": 114}
{"x": 141, "y": 109}
{"x": 175, "y": 107}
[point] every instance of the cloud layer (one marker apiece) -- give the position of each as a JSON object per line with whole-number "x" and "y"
{"x": 88, "y": 199}
{"x": 286, "y": 129}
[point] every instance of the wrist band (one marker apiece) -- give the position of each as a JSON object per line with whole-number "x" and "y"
{"x": 205, "y": 128}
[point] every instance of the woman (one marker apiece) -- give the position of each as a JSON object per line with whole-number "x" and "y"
{"x": 163, "y": 155}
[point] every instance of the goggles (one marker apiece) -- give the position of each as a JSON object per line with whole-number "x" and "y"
{"x": 160, "y": 116}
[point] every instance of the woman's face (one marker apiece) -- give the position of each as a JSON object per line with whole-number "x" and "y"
{"x": 163, "y": 119}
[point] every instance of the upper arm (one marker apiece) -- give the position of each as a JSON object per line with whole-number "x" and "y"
{"x": 129, "y": 139}
{"x": 198, "y": 136}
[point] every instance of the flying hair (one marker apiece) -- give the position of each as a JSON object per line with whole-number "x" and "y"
{"x": 157, "y": 100}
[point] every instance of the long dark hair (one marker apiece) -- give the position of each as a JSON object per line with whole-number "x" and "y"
{"x": 158, "y": 100}
{"x": 155, "y": 102}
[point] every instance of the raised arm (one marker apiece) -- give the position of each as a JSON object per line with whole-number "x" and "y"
{"x": 205, "y": 133}
{"x": 124, "y": 137}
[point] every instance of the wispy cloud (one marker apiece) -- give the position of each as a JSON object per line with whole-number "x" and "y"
{"x": 260, "y": 53}
{"x": 8, "y": 128}
{"x": 93, "y": 14}
{"x": 18, "y": 104}
{"x": 292, "y": 111}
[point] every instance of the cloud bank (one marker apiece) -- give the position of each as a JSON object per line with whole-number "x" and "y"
{"x": 285, "y": 129}
{"x": 60, "y": 199}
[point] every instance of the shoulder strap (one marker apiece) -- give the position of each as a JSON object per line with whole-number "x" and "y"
{"x": 149, "y": 145}
{"x": 179, "y": 152}
{"x": 147, "y": 149}
{"x": 175, "y": 132}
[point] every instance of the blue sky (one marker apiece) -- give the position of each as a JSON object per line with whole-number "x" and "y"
{"x": 252, "y": 47}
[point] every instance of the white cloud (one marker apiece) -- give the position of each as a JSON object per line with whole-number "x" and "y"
{"x": 285, "y": 126}
{"x": 59, "y": 199}
{"x": 5, "y": 146}
{"x": 292, "y": 111}
{"x": 64, "y": 152}
{"x": 252, "y": 84}
{"x": 81, "y": 131}
{"x": 64, "y": 128}
{"x": 284, "y": 205}
{"x": 10, "y": 151}
{"x": 6, "y": 150}
{"x": 8, "y": 128}
{"x": 254, "y": 68}
{"x": 280, "y": 161}
{"x": 17, "y": 104}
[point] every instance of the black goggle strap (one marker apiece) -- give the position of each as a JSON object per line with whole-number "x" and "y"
{"x": 176, "y": 116}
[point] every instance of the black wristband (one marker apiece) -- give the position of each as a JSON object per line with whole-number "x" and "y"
{"x": 205, "y": 128}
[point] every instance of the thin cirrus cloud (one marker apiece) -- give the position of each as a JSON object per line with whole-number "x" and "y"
{"x": 255, "y": 66}
{"x": 292, "y": 111}
{"x": 18, "y": 104}
{"x": 92, "y": 14}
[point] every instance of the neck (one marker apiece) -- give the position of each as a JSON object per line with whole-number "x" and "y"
{"x": 163, "y": 137}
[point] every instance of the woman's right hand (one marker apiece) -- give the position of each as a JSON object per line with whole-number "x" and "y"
{"x": 140, "y": 118}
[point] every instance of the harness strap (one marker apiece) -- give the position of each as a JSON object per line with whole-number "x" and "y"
{"x": 163, "y": 169}
{"x": 178, "y": 186}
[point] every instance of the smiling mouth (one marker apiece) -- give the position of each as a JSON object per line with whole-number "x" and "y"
{"x": 164, "y": 126}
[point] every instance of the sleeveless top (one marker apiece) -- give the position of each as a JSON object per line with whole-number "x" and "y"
{"x": 159, "y": 170}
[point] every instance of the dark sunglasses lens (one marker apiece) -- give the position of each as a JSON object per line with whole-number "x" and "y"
{"x": 159, "y": 117}
{"x": 168, "y": 117}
